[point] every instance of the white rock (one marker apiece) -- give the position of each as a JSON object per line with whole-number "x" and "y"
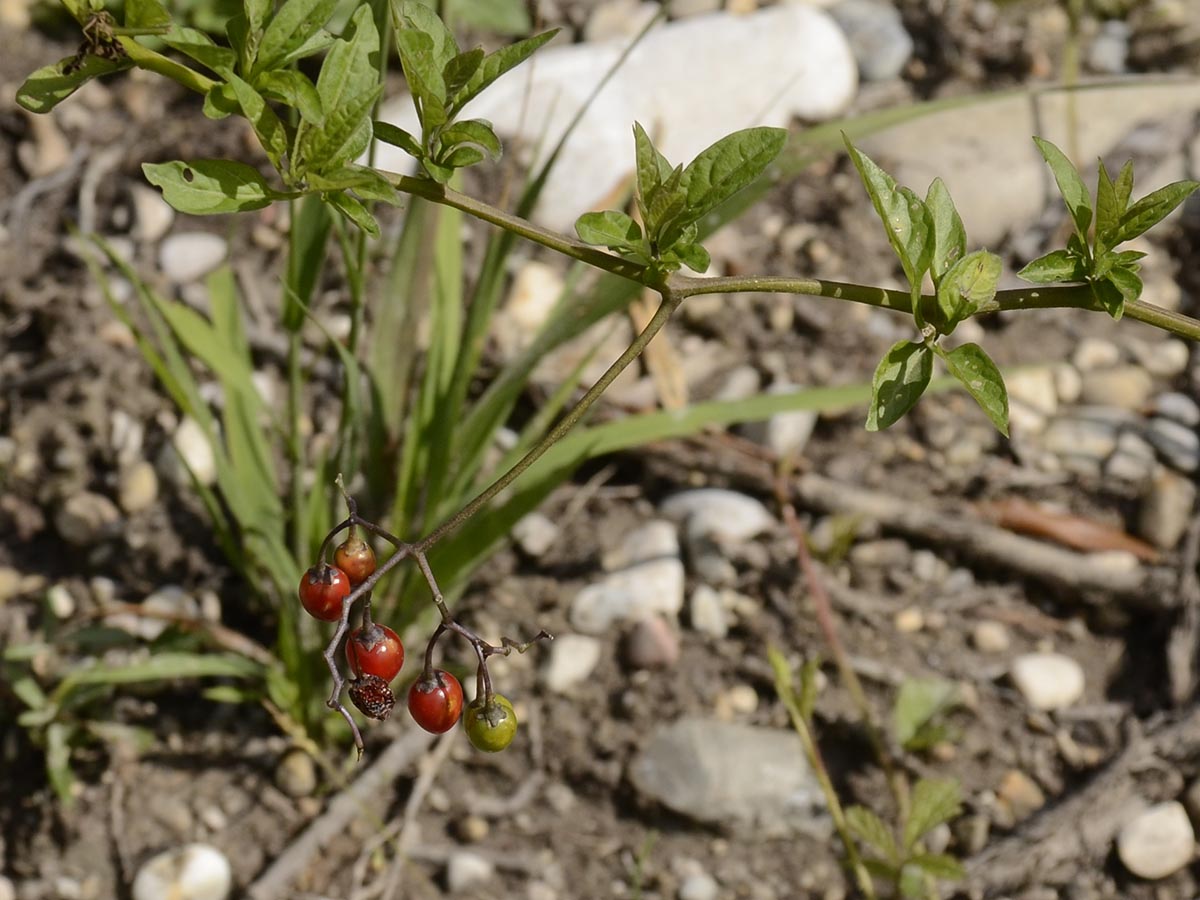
{"x": 1166, "y": 359}
{"x": 1048, "y": 680}
{"x": 572, "y": 658}
{"x": 785, "y": 433}
{"x": 535, "y": 533}
{"x": 296, "y": 774}
{"x": 85, "y": 518}
{"x": 466, "y": 870}
{"x": 1094, "y": 353}
{"x": 1126, "y": 387}
{"x": 629, "y": 594}
{"x": 1067, "y": 382}
{"x": 718, "y": 513}
{"x": 126, "y": 435}
{"x": 618, "y": 19}
{"x": 699, "y": 887}
{"x": 49, "y": 150}
{"x": 193, "y": 872}
{"x": 1166, "y": 508}
{"x": 152, "y": 214}
{"x": 708, "y": 612}
{"x": 138, "y": 487}
{"x": 1034, "y": 387}
{"x": 189, "y": 255}
{"x": 656, "y": 539}
{"x": 190, "y": 445}
{"x": 1157, "y": 842}
{"x": 7, "y": 891}
{"x": 535, "y": 292}
{"x": 711, "y": 75}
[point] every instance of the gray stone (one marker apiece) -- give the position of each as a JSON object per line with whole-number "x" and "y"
{"x": 1125, "y": 387}
{"x": 618, "y": 19}
{"x": 1177, "y": 407}
{"x": 652, "y": 541}
{"x": 1178, "y": 444}
{"x": 1133, "y": 459}
{"x": 7, "y": 891}
{"x": 1165, "y": 359}
{"x": 732, "y": 776}
{"x": 86, "y": 518}
{"x": 466, "y": 870}
{"x": 700, "y": 886}
{"x": 714, "y": 512}
{"x": 1035, "y": 388}
{"x": 535, "y": 534}
{"x": 152, "y": 215}
{"x": 1096, "y": 353}
{"x": 571, "y": 659}
{"x": 707, "y": 612}
{"x": 1166, "y": 508}
{"x": 190, "y": 255}
{"x": 630, "y": 594}
{"x": 1048, "y": 681}
{"x": 877, "y": 37}
{"x": 786, "y": 433}
{"x": 1110, "y": 48}
{"x": 296, "y": 774}
{"x": 651, "y": 644}
{"x": 1157, "y": 842}
{"x": 193, "y": 872}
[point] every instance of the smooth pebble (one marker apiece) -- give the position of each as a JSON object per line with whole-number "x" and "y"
{"x": 1157, "y": 842}
{"x": 1048, "y": 681}
{"x": 193, "y": 872}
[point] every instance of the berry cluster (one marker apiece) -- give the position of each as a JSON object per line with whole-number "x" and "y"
{"x": 375, "y": 654}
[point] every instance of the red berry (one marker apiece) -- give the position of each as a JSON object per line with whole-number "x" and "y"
{"x": 372, "y": 696}
{"x": 322, "y": 590}
{"x": 355, "y": 557}
{"x": 436, "y": 701}
{"x": 374, "y": 650}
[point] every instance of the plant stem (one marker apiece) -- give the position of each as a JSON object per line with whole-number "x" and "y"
{"x": 670, "y": 302}
{"x": 145, "y": 58}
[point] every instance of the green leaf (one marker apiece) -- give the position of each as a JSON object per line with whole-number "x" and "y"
{"x": 1056, "y": 266}
{"x": 912, "y": 883}
{"x": 311, "y": 222}
{"x": 1123, "y": 187}
{"x": 220, "y": 102}
{"x": 724, "y": 168}
{"x": 318, "y": 43}
{"x": 460, "y": 69}
{"x": 906, "y": 220}
{"x": 612, "y": 229}
{"x": 1070, "y": 185}
{"x": 58, "y": 761}
{"x": 942, "y": 866}
{"x": 353, "y": 210}
{"x": 267, "y": 125}
{"x": 1108, "y": 208}
{"x": 652, "y": 167}
{"x": 199, "y": 46}
{"x": 949, "y": 236}
{"x": 146, "y": 14}
{"x": 1125, "y": 281}
{"x": 295, "y": 22}
{"x": 424, "y": 77}
{"x": 208, "y": 186}
{"x": 983, "y": 381}
{"x": 345, "y": 134}
{"x": 256, "y": 13}
{"x": 162, "y": 666}
{"x": 461, "y": 157}
{"x": 1109, "y": 297}
{"x": 900, "y": 379}
{"x": 413, "y": 15}
{"x": 438, "y": 172}
{"x": 496, "y": 16}
{"x": 228, "y": 693}
{"x": 398, "y": 137}
{"x": 51, "y": 85}
{"x": 967, "y": 285}
{"x": 1152, "y": 209}
{"x": 694, "y": 256}
{"x": 472, "y": 131}
{"x": 29, "y": 693}
{"x": 919, "y": 701}
{"x": 294, "y": 88}
{"x": 809, "y": 678}
{"x": 933, "y": 802}
{"x": 496, "y": 64}
{"x": 364, "y": 181}
{"x": 874, "y": 832}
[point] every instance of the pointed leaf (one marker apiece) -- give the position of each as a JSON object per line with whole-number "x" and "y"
{"x": 460, "y": 69}
{"x": 983, "y": 381}
{"x": 345, "y": 134}
{"x": 51, "y": 85}
{"x": 364, "y": 181}
{"x": 496, "y": 64}
{"x": 473, "y": 131}
{"x": 900, "y": 379}
{"x": 652, "y": 167}
{"x": 267, "y": 125}
{"x": 416, "y": 15}
{"x": 933, "y": 802}
{"x": 424, "y": 77}
{"x": 1127, "y": 282}
{"x": 967, "y": 285}
{"x": 461, "y": 157}
{"x": 1152, "y": 209}
{"x": 918, "y": 702}
{"x": 199, "y": 46}
{"x": 398, "y": 137}
{"x": 354, "y": 211}
{"x": 1108, "y": 206}
{"x": 207, "y": 186}
{"x": 293, "y": 87}
{"x": 949, "y": 236}
{"x": 294, "y": 23}
{"x": 724, "y": 168}
{"x": 874, "y": 832}
{"x": 693, "y": 256}
{"x": 904, "y": 216}
{"x": 942, "y": 866}
{"x": 1109, "y": 297}
{"x": 1056, "y": 266}
{"x": 609, "y": 229}
{"x": 1123, "y": 186}
{"x": 145, "y": 14}
{"x": 1070, "y": 185}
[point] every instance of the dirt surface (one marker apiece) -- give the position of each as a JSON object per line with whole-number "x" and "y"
{"x": 558, "y": 815}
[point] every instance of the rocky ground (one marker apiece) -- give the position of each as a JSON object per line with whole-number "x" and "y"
{"x": 1051, "y": 578}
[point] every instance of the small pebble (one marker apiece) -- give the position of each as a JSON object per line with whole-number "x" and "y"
{"x": 708, "y": 612}
{"x": 571, "y": 659}
{"x": 1094, "y": 353}
{"x": 1068, "y": 383}
{"x": 471, "y": 829}
{"x": 651, "y": 644}
{"x": 877, "y": 37}
{"x": 1178, "y": 444}
{"x": 188, "y": 256}
{"x": 151, "y": 213}
{"x": 720, "y": 514}
{"x": 466, "y": 870}
{"x": 138, "y": 488}
{"x": 618, "y": 19}
{"x": 190, "y": 445}
{"x": 7, "y": 891}
{"x": 1157, "y": 842}
{"x": 296, "y": 774}
{"x": 60, "y": 601}
{"x": 699, "y": 887}
{"x": 1178, "y": 407}
{"x": 1036, "y": 388}
{"x": 193, "y": 872}
{"x": 909, "y": 620}
{"x": 86, "y": 518}
{"x": 1018, "y": 797}
{"x": 1166, "y": 508}
{"x": 1166, "y": 359}
{"x": 1048, "y": 681}
{"x": 1125, "y": 387}
{"x": 1110, "y": 48}
{"x": 10, "y": 583}
{"x": 535, "y": 534}
{"x": 990, "y": 637}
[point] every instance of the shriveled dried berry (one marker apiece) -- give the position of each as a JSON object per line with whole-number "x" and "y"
{"x": 372, "y": 696}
